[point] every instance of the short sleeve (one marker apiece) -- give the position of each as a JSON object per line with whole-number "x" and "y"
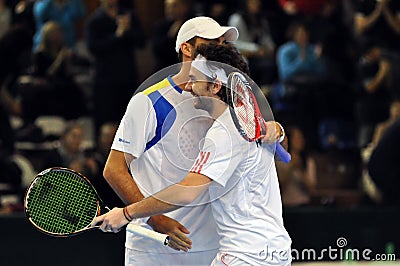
{"x": 219, "y": 157}
{"x": 137, "y": 127}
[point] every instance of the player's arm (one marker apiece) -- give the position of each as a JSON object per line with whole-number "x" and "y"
{"x": 169, "y": 199}
{"x": 117, "y": 174}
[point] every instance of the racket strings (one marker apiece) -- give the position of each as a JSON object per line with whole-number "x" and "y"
{"x": 61, "y": 202}
{"x": 244, "y": 109}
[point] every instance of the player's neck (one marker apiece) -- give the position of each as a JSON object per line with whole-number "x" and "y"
{"x": 182, "y": 77}
{"x": 218, "y": 109}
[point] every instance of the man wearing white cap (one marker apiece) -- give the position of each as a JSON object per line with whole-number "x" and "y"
{"x": 156, "y": 144}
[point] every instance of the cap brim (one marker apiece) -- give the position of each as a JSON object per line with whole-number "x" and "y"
{"x": 230, "y": 33}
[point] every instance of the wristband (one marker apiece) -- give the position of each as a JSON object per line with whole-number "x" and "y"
{"x": 282, "y": 137}
{"x": 126, "y": 214}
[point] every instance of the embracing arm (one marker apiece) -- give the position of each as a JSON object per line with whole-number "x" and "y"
{"x": 117, "y": 174}
{"x": 169, "y": 199}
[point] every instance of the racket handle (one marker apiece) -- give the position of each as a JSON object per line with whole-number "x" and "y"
{"x": 282, "y": 153}
{"x": 139, "y": 230}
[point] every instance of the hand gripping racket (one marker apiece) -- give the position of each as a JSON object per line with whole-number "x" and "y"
{"x": 246, "y": 114}
{"x": 61, "y": 202}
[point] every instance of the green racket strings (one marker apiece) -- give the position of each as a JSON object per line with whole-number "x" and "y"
{"x": 61, "y": 202}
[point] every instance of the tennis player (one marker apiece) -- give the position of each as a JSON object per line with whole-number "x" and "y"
{"x": 240, "y": 177}
{"x": 155, "y": 146}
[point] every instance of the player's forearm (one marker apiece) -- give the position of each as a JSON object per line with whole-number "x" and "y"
{"x": 169, "y": 199}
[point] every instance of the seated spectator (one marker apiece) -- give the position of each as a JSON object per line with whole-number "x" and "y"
{"x": 70, "y": 154}
{"x": 372, "y": 101}
{"x": 65, "y": 13}
{"x": 255, "y": 41}
{"x": 298, "y": 177}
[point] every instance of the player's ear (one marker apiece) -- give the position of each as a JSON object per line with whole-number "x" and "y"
{"x": 216, "y": 86}
{"x": 186, "y": 49}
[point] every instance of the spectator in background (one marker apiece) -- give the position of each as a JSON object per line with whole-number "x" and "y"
{"x": 298, "y": 177}
{"x": 219, "y": 10}
{"x": 5, "y": 17}
{"x": 380, "y": 129}
{"x": 13, "y": 46}
{"x": 65, "y": 12}
{"x": 23, "y": 15}
{"x": 165, "y": 31}
{"x": 372, "y": 103}
{"x": 255, "y": 41}
{"x": 303, "y": 7}
{"x": 383, "y": 166}
{"x": 52, "y": 63}
{"x": 378, "y": 21}
{"x": 112, "y": 36}
{"x": 302, "y": 69}
{"x": 298, "y": 58}
{"x": 70, "y": 153}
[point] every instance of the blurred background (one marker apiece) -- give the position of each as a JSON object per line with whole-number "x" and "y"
{"x": 330, "y": 70}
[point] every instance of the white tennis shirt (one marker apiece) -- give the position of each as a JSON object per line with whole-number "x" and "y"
{"x": 245, "y": 195}
{"x": 163, "y": 131}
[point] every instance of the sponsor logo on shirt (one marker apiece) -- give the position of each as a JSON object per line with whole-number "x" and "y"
{"x": 124, "y": 141}
{"x": 200, "y": 162}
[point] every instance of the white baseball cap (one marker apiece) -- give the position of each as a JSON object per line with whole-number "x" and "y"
{"x": 206, "y": 28}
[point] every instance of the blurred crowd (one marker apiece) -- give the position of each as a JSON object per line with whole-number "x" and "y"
{"x": 330, "y": 70}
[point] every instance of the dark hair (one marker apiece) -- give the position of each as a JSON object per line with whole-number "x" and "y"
{"x": 226, "y": 54}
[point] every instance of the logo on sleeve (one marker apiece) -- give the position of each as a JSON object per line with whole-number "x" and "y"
{"x": 200, "y": 162}
{"x": 124, "y": 141}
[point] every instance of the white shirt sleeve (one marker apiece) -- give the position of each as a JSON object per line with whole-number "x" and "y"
{"x": 219, "y": 156}
{"x": 137, "y": 127}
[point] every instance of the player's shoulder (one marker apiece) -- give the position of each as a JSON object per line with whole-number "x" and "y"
{"x": 224, "y": 127}
{"x": 157, "y": 87}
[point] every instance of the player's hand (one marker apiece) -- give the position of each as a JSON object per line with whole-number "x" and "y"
{"x": 274, "y": 132}
{"x": 176, "y": 231}
{"x": 112, "y": 221}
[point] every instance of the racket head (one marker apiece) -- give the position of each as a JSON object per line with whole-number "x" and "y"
{"x": 61, "y": 202}
{"x": 244, "y": 108}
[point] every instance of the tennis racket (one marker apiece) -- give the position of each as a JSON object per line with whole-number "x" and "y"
{"x": 61, "y": 202}
{"x": 246, "y": 114}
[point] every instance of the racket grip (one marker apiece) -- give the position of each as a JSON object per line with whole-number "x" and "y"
{"x": 139, "y": 230}
{"x": 282, "y": 153}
